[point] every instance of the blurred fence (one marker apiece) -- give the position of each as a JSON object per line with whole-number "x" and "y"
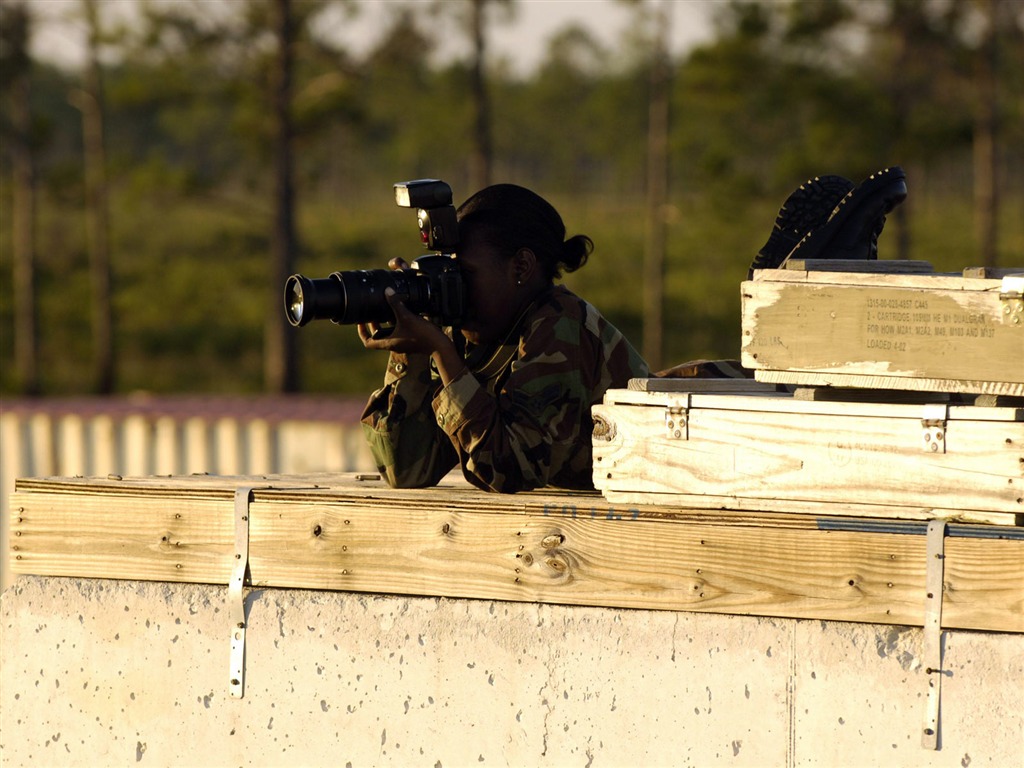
{"x": 96, "y": 437}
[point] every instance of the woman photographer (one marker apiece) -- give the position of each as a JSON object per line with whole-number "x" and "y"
{"x": 509, "y": 397}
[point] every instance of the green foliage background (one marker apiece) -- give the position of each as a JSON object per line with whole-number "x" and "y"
{"x": 775, "y": 98}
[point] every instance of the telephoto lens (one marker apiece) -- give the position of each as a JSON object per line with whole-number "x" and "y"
{"x": 346, "y": 298}
{"x": 306, "y": 300}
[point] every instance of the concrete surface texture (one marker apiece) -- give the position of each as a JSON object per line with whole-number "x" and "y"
{"x": 121, "y": 673}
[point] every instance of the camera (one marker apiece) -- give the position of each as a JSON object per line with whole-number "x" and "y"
{"x": 433, "y": 287}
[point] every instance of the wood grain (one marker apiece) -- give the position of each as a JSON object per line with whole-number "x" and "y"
{"x": 922, "y": 329}
{"x": 547, "y": 546}
{"x": 171, "y": 538}
{"x": 770, "y": 451}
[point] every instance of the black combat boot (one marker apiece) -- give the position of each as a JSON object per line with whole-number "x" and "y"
{"x": 852, "y": 230}
{"x": 806, "y": 209}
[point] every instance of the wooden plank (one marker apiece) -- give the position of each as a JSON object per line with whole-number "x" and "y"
{"x": 992, "y": 272}
{"x": 850, "y": 395}
{"x": 865, "y": 458}
{"x": 874, "y": 381}
{"x": 896, "y": 267}
{"x": 991, "y": 577}
{"x": 205, "y": 485}
{"x": 173, "y": 538}
{"x": 917, "y": 328}
{"x": 730, "y": 386}
{"x": 941, "y": 281}
{"x": 999, "y": 401}
{"x": 548, "y": 546}
{"x": 737, "y": 505}
{"x": 785, "y": 403}
{"x": 637, "y": 563}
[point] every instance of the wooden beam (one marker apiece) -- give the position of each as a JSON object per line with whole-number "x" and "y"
{"x": 107, "y": 536}
{"x": 727, "y": 386}
{"x": 893, "y": 267}
{"x": 547, "y": 546}
{"x": 884, "y": 382}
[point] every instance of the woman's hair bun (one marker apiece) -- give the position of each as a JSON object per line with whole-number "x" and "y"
{"x": 575, "y": 252}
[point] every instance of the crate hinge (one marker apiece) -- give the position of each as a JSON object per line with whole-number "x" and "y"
{"x": 1011, "y": 300}
{"x": 677, "y": 420}
{"x": 934, "y": 585}
{"x": 933, "y": 424}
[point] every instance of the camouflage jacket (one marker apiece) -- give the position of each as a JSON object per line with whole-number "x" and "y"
{"x": 521, "y": 423}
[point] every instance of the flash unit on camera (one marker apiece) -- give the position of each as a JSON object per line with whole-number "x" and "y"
{"x": 436, "y": 215}
{"x": 423, "y": 193}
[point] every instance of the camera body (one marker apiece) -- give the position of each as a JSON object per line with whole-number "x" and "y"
{"x": 433, "y": 287}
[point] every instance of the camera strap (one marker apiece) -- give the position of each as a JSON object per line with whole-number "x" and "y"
{"x": 493, "y": 367}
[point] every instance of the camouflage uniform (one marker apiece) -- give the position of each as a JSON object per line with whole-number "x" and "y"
{"x": 520, "y": 420}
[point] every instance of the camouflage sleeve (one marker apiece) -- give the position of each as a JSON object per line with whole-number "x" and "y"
{"x": 530, "y": 432}
{"x": 410, "y": 450}
{"x": 534, "y": 431}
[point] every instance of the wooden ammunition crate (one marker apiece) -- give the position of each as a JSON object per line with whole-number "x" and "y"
{"x": 776, "y": 451}
{"x": 926, "y": 332}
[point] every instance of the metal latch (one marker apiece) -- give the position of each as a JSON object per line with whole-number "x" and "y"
{"x": 933, "y": 423}
{"x": 239, "y": 576}
{"x": 934, "y": 586}
{"x": 1011, "y": 300}
{"x": 243, "y": 496}
{"x": 677, "y": 421}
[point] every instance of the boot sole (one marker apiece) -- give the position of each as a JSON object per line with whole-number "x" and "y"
{"x": 866, "y": 205}
{"x": 806, "y": 209}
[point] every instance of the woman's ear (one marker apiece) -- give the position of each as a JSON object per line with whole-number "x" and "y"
{"x": 524, "y": 264}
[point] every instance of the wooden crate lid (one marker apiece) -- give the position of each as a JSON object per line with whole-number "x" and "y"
{"x": 746, "y": 395}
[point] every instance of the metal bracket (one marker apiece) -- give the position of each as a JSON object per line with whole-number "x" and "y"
{"x": 677, "y": 421}
{"x": 934, "y": 423}
{"x": 934, "y": 580}
{"x": 243, "y": 496}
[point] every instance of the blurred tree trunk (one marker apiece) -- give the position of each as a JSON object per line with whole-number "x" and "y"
{"x": 902, "y": 92}
{"x": 986, "y": 199}
{"x": 19, "y": 64}
{"x": 657, "y": 192}
{"x": 480, "y": 172}
{"x": 90, "y": 101}
{"x": 281, "y": 354}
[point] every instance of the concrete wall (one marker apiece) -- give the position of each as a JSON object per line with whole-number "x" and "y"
{"x": 100, "y": 673}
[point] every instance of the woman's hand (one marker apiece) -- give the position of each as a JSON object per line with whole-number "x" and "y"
{"x": 411, "y": 333}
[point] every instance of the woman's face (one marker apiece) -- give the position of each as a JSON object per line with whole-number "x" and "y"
{"x": 494, "y": 297}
